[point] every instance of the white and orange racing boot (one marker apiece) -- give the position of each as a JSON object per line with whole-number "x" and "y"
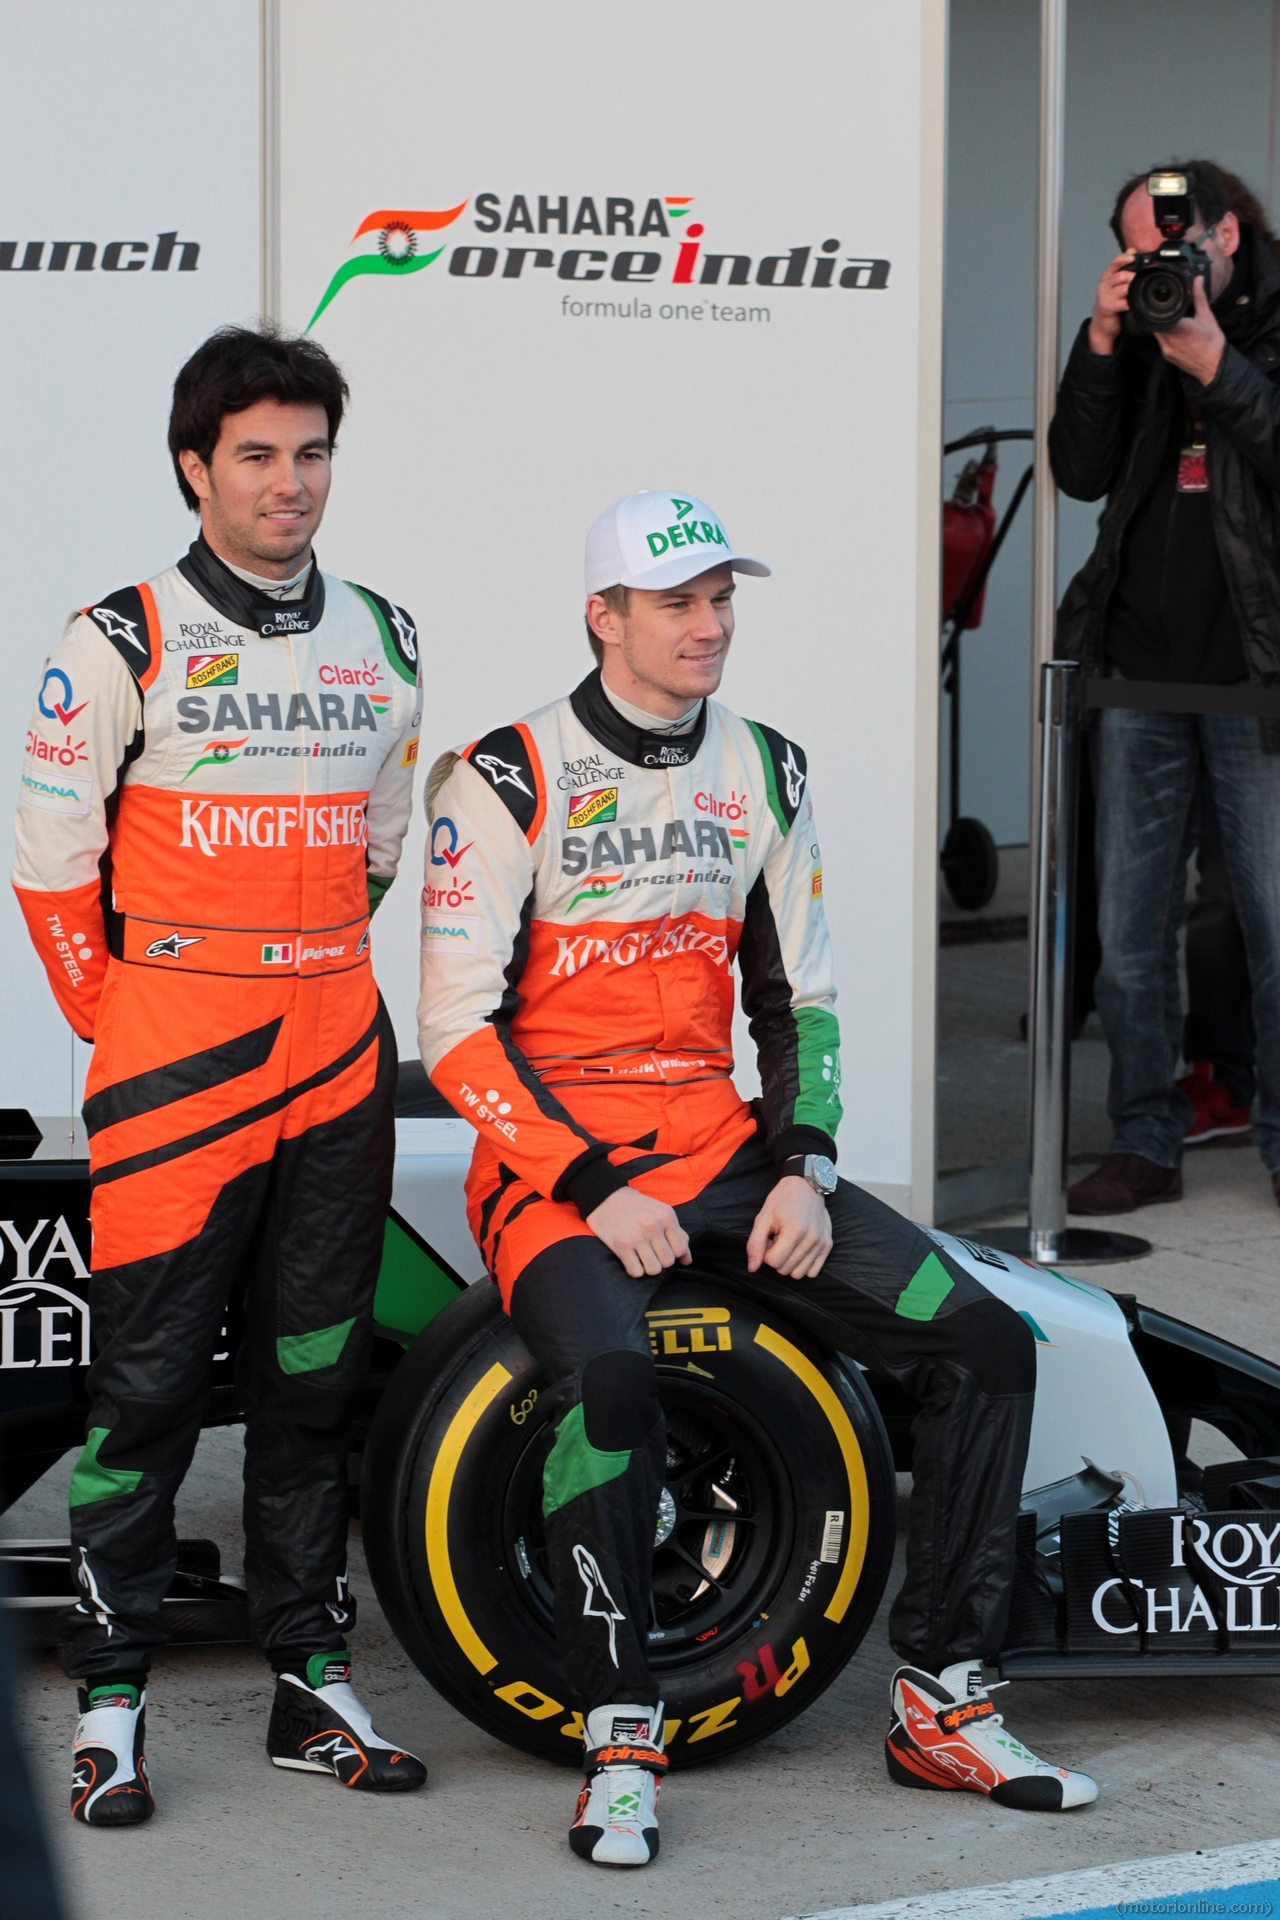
{"x": 946, "y": 1734}
{"x": 615, "y": 1823}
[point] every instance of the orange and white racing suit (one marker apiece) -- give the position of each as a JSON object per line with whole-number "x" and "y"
{"x": 214, "y": 795}
{"x": 591, "y": 890}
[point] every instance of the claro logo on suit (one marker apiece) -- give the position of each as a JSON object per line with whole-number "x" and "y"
{"x": 109, "y": 256}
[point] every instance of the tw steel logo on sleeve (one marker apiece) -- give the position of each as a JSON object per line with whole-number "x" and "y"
{"x": 489, "y": 1108}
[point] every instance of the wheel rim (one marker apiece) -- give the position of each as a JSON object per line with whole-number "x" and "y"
{"x": 724, "y": 1551}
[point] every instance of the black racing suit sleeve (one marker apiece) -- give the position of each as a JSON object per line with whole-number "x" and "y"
{"x": 776, "y": 1028}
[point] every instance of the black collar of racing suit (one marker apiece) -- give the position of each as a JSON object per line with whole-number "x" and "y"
{"x": 639, "y": 749}
{"x": 214, "y": 581}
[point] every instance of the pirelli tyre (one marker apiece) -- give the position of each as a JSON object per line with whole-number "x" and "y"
{"x": 773, "y": 1542}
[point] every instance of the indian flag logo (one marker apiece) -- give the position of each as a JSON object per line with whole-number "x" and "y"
{"x": 218, "y": 755}
{"x": 598, "y": 889}
{"x": 393, "y": 237}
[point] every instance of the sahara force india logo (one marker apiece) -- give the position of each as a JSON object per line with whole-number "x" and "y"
{"x": 587, "y": 237}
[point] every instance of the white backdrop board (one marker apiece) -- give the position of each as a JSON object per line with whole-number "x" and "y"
{"x": 119, "y": 126}
{"x": 510, "y": 217}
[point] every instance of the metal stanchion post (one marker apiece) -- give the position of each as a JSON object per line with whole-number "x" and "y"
{"x": 1047, "y": 1238}
{"x": 1049, "y": 1025}
{"x": 1055, "y": 779}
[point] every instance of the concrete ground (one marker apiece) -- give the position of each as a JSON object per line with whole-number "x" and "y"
{"x": 982, "y": 1061}
{"x": 806, "y": 1821}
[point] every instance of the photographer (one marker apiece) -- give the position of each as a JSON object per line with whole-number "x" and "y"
{"x": 1180, "y": 425}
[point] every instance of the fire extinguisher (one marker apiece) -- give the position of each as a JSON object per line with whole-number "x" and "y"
{"x": 970, "y": 542}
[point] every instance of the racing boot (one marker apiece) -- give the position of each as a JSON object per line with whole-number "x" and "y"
{"x": 616, "y": 1819}
{"x": 945, "y": 1733}
{"x": 109, "y": 1785}
{"x": 319, "y": 1726}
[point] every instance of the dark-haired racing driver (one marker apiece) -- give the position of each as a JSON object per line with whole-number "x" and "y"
{"x": 579, "y": 1016}
{"x": 217, "y": 783}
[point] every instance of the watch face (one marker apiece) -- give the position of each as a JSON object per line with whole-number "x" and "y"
{"x": 823, "y": 1173}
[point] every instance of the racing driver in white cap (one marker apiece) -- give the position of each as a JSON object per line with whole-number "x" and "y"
{"x": 579, "y": 1016}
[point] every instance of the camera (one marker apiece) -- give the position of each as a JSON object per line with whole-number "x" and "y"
{"x": 1161, "y": 291}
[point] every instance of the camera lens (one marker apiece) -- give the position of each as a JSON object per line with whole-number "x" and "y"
{"x": 1160, "y": 298}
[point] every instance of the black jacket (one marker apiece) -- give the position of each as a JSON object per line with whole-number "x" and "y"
{"x": 1108, "y": 436}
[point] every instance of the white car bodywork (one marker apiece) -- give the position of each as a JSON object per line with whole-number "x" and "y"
{"x": 1093, "y": 1401}
{"x": 432, "y": 1157}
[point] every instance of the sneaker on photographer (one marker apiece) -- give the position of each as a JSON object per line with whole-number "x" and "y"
{"x": 1215, "y": 1115}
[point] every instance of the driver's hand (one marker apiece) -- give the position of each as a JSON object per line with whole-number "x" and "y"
{"x": 644, "y": 1233}
{"x": 1110, "y": 302}
{"x": 792, "y": 1231}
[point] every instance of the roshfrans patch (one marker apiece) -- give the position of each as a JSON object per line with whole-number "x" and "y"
{"x": 213, "y": 669}
{"x": 594, "y": 809}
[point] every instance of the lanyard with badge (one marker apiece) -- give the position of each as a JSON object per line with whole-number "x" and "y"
{"x": 1193, "y": 466}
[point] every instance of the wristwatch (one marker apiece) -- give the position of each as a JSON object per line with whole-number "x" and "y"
{"x": 815, "y": 1168}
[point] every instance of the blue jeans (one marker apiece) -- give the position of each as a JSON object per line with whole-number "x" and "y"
{"x": 1145, "y": 773}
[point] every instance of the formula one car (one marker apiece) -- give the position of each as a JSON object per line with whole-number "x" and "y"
{"x": 775, "y": 1531}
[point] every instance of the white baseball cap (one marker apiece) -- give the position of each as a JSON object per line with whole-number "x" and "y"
{"x": 655, "y": 540}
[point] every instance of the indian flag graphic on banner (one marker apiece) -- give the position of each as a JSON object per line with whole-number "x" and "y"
{"x": 397, "y": 231}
